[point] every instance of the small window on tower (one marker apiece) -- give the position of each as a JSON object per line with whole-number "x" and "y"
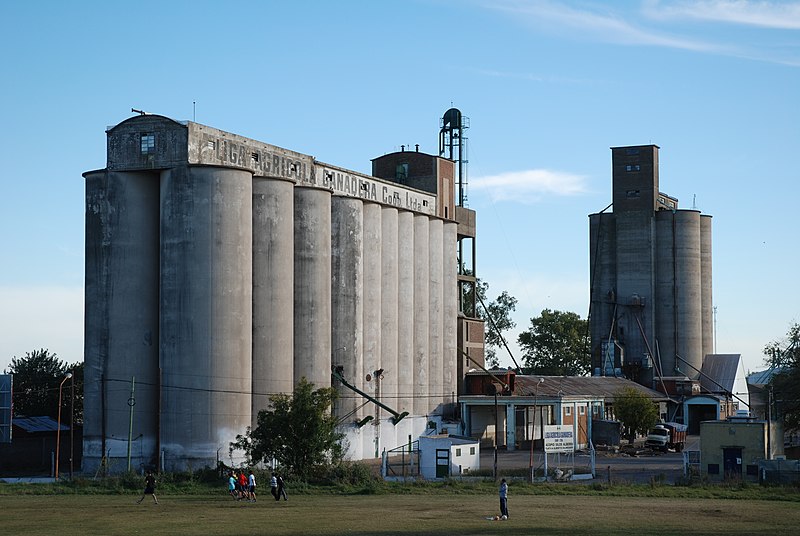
{"x": 401, "y": 172}
{"x": 632, "y": 167}
{"x": 148, "y": 143}
{"x": 632, "y": 194}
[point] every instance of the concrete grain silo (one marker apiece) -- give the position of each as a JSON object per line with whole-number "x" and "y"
{"x": 405, "y": 305}
{"x": 273, "y": 288}
{"x": 678, "y": 298}
{"x": 389, "y": 307}
{"x": 435, "y": 311}
{"x": 312, "y": 285}
{"x": 449, "y": 309}
{"x": 205, "y": 311}
{"x": 373, "y": 371}
{"x": 347, "y": 295}
{"x": 650, "y": 272}
{"x": 421, "y": 314}
{"x": 707, "y": 314}
{"x": 220, "y": 270}
{"x": 121, "y": 321}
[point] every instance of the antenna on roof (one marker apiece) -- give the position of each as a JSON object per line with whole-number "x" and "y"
{"x": 140, "y": 112}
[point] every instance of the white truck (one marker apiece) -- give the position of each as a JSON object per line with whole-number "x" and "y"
{"x": 667, "y": 435}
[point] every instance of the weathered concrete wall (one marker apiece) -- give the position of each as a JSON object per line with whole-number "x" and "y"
{"x": 121, "y": 313}
{"x": 347, "y": 295}
{"x": 372, "y": 324}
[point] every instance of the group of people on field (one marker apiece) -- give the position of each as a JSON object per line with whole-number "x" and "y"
{"x": 243, "y": 488}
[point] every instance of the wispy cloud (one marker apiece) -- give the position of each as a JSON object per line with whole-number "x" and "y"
{"x": 598, "y": 23}
{"x": 778, "y": 15}
{"x": 529, "y": 186}
{"x": 653, "y": 23}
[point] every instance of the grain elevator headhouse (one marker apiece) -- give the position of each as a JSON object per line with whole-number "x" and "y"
{"x": 221, "y": 270}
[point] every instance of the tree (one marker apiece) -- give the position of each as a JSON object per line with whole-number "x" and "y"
{"x": 499, "y": 311}
{"x": 298, "y": 431}
{"x": 635, "y": 410}
{"x": 784, "y": 357}
{"x": 556, "y": 344}
{"x": 37, "y": 378}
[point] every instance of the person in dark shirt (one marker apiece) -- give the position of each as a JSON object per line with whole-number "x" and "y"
{"x": 149, "y": 488}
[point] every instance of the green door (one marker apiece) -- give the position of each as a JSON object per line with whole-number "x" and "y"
{"x": 442, "y": 463}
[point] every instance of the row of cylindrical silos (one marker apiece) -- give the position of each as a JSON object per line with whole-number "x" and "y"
{"x": 683, "y": 301}
{"x": 651, "y": 289}
{"x": 208, "y": 289}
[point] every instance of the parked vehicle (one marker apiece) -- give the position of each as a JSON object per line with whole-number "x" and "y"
{"x": 667, "y": 435}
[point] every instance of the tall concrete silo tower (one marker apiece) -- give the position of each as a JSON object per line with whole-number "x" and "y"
{"x": 650, "y": 272}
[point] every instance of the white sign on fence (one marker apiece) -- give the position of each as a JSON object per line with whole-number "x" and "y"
{"x": 559, "y": 438}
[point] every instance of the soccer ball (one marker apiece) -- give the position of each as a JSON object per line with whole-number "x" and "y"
{"x": 504, "y": 517}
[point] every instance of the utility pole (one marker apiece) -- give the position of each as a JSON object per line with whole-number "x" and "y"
{"x": 131, "y": 403}
{"x": 494, "y": 470}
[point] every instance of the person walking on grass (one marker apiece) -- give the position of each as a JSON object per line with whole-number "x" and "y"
{"x": 149, "y": 488}
{"x": 281, "y": 489}
{"x": 251, "y": 480}
{"x": 243, "y": 493}
{"x": 503, "y": 499}
{"x": 232, "y": 484}
{"x": 273, "y": 485}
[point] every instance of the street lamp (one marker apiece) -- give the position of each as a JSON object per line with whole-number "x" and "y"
{"x": 58, "y": 431}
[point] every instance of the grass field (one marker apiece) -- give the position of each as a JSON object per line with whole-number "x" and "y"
{"x": 390, "y": 514}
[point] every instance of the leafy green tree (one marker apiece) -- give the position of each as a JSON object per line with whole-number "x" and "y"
{"x": 298, "y": 431}
{"x": 784, "y": 357}
{"x": 556, "y": 344}
{"x": 635, "y": 410}
{"x": 37, "y": 378}
{"x": 496, "y": 317}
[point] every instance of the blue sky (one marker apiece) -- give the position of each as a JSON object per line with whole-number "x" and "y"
{"x": 548, "y": 87}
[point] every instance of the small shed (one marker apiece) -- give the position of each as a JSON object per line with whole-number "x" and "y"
{"x": 732, "y": 448}
{"x": 442, "y": 456}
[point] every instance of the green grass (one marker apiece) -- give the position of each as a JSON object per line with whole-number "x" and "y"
{"x": 191, "y": 505}
{"x": 393, "y": 514}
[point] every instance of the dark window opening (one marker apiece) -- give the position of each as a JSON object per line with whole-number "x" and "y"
{"x": 632, "y": 167}
{"x": 631, "y": 152}
{"x": 401, "y": 172}
{"x": 632, "y": 194}
{"x": 254, "y": 157}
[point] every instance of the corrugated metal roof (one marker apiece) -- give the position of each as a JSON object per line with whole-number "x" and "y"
{"x": 722, "y": 369}
{"x": 763, "y": 377}
{"x": 577, "y": 387}
{"x": 38, "y": 424}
